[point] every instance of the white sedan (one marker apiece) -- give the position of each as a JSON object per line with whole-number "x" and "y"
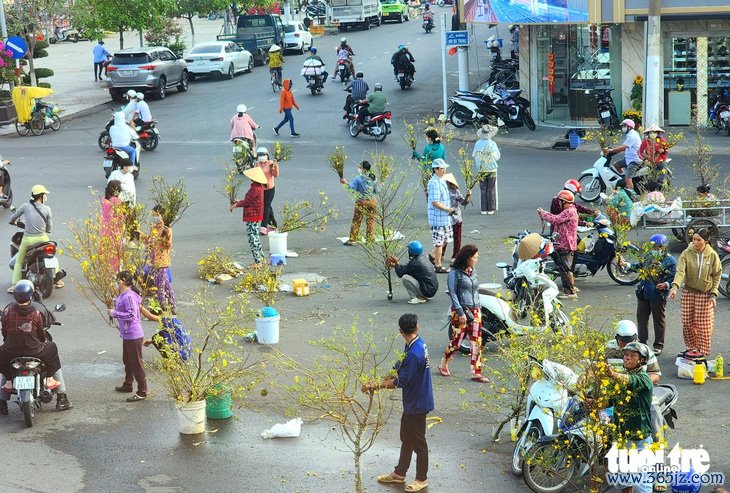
{"x": 297, "y": 37}
{"x": 223, "y": 58}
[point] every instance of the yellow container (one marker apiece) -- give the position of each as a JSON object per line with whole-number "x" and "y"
{"x": 719, "y": 363}
{"x": 699, "y": 373}
{"x": 300, "y": 286}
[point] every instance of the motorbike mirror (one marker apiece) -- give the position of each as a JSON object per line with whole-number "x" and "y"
{"x": 501, "y": 265}
{"x": 59, "y": 308}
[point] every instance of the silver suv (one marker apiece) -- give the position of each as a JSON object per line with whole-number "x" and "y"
{"x": 152, "y": 69}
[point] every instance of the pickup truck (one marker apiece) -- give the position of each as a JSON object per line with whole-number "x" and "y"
{"x": 256, "y": 34}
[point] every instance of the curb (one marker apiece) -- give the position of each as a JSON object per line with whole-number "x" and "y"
{"x": 90, "y": 110}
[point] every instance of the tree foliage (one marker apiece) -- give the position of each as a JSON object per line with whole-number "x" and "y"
{"x": 27, "y": 20}
{"x": 188, "y": 9}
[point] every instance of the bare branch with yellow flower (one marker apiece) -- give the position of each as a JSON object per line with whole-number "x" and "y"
{"x": 337, "y": 159}
{"x": 306, "y": 215}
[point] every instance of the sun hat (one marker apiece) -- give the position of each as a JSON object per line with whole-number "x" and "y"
{"x": 487, "y": 132}
{"x": 653, "y": 128}
{"x": 450, "y": 178}
{"x": 38, "y": 190}
{"x": 256, "y": 174}
{"x": 241, "y": 108}
{"x": 439, "y": 163}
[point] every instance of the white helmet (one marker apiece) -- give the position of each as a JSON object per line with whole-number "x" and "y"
{"x": 140, "y": 96}
{"x": 241, "y": 108}
{"x": 262, "y": 150}
{"x": 131, "y": 93}
{"x": 274, "y": 48}
{"x": 626, "y": 330}
{"x": 343, "y": 40}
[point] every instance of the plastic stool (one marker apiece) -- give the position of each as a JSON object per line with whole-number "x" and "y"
{"x": 278, "y": 259}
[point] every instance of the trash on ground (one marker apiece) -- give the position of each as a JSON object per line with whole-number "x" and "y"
{"x": 290, "y": 429}
{"x": 474, "y": 232}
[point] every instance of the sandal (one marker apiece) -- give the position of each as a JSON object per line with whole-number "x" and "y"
{"x": 58, "y": 285}
{"x": 54, "y": 385}
{"x": 390, "y": 479}
{"x": 442, "y": 270}
{"x": 417, "y": 486}
{"x": 444, "y": 372}
{"x": 480, "y": 379}
{"x": 658, "y": 351}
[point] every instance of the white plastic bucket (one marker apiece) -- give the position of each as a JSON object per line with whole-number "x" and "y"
{"x": 191, "y": 416}
{"x": 267, "y": 330}
{"x": 277, "y": 243}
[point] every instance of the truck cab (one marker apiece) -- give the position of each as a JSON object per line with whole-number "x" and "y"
{"x": 256, "y": 33}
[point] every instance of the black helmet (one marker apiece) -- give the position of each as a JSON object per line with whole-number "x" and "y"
{"x": 23, "y": 291}
{"x": 359, "y": 75}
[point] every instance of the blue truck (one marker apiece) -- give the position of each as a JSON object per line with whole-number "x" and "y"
{"x": 256, "y": 34}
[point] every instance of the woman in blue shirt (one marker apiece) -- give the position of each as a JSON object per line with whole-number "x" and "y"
{"x": 433, "y": 150}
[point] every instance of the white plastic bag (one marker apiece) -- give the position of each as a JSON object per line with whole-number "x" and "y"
{"x": 290, "y": 429}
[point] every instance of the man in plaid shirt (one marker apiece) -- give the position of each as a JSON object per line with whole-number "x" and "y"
{"x": 439, "y": 214}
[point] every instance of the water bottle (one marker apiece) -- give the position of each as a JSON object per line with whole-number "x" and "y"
{"x": 719, "y": 364}
{"x": 699, "y": 373}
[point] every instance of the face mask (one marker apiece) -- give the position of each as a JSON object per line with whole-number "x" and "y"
{"x": 157, "y": 219}
{"x": 657, "y": 253}
{"x": 652, "y": 135}
{"x": 261, "y": 159}
{"x": 624, "y": 130}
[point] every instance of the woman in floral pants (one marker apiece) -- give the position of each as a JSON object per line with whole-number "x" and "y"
{"x": 253, "y": 210}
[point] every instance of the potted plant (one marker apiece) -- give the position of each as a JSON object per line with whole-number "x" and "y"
{"x": 215, "y": 359}
{"x": 263, "y": 282}
{"x": 297, "y": 216}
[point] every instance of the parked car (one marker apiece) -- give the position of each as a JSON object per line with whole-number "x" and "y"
{"x": 394, "y": 10}
{"x": 222, "y": 58}
{"x": 297, "y": 37}
{"x": 152, "y": 69}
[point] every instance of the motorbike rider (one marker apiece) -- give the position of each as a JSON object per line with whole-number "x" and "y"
{"x": 373, "y": 105}
{"x": 358, "y": 90}
{"x": 243, "y": 126}
{"x": 314, "y": 65}
{"x": 142, "y": 112}
{"x": 402, "y": 60}
{"x": 631, "y": 161}
{"x": 38, "y": 222}
{"x": 23, "y": 330}
{"x": 566, "y": 225}
{"x": 124, "y": 175}
{"x": 574, "y": 187}
{"x": 131, "y": 105}
{"x": 627, "y": 332}
{"x": 122, "y": 135}
{"x": 428, "y": 14}
{"x": 276, "y": 61}
{"x": 345, "y": 53}
{"x": 418, "y": 275}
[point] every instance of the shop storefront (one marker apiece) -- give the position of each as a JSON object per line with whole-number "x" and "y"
{"x": 570, "y": 63}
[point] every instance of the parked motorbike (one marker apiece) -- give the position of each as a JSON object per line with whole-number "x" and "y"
{"x": 602, "y": 178}
{"x": 378, "y": 126}
{"x": 505, "y": 72}
{"x": 723, "y": 248}
{"x": 40, "y": 265}
{"x": 315, "y": 83}
{"x": 441, "y": 3}
{"x": 29, "y": 382}
{"x": 473, "y": 109}
{"x": 545, "y": 403}
{"x": 404, "y": 79}
{"x": 513, "y": 106}
{"x": 6, "y": 191}
{"x": 554, "y": 462}
{"x": 343, "y": 70}
{"x": 605, "y": 108}
{"x": 719, "y": 112}
{"x": 427, "y": 24}
{"x": 65, "y": 34}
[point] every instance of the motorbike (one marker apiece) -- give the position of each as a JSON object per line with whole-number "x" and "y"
{"x": 723, "y": 248}
{"x": 427, "y": 24}
{"x": 504, "y": 72}
{"x": 343, "y": 70}
{"x": 719, "y": 113}
{"x": 497, "y": 314}
{"x": 40, "y": 265}
{"x": 473, "y": 109}
{"x": 114, "y": 156}
{"x": 605, "y": 108}
{"x": 29, "y": 382}
{"x": 378, "y": 126}
{"x": 554, "y": 462}
{"x": 65, "y": 34}
{"x": 314, "y": 83}
{"x": 602, "y": 178}
{"x": 405, "y": 79}
{"x": 244, "y": 153}
{"x": 513, "y": 106}
{"x": 6, "y": 191}
{"x": 599, "y": 253}
{"x": 441, "y": 3}
{"x": 149, "y": 136}
{"x": 545, "y": 402}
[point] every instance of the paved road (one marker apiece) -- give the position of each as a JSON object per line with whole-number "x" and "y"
{"x": 105, "y": 444}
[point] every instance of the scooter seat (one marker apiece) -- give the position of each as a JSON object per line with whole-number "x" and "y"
{"x": 663, "y": 395}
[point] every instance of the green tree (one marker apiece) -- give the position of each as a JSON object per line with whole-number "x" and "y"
{"x": 95, "y": 16}
{"x": 189, "y": 8}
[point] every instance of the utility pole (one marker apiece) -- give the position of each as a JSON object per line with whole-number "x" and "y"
{"x": 653, "y": 83}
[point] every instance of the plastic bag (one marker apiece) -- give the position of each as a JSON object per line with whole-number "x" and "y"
{"x": 290, "y": 429}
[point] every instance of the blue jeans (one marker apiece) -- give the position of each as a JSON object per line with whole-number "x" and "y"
{"x": 642, "y": 487}
{"x": 287, "y": 118}
{"x": 132, "y": 151}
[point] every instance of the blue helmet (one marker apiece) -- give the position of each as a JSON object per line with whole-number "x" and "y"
{"x": 23, "y": 291}
{"x": 313, "y": 50}
{"x": 415, "y": 248}
{"x": 401, "y": 47}
{"x": 659, "y": 240}
{"x": 427, "y": 6}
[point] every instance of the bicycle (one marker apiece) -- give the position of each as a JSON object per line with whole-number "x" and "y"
{"x": 275, "y": 79}
{"x": 43, "y": 116}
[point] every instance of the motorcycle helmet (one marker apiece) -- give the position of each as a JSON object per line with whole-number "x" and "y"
{"x": 427, "y": 6}
{"x": 378, "y": 86}
{"x": 566, "y": 196}
{"x": 241, "y": 108}
{"x": 359, "y": 75}
{"x": 415, "y": 248}
{"x": 638, "y": 348}
{"x": 572, "y": 185}
{"x": 261, "y": 151}
{"x": 659, "y": 240}
{"x": 626, "y": 331}
{"x": 629, "y": 123}
{"x": 274, "y": 48}
{"x": 343, "y": 41}
{"x": 140, "y": 96}
{"x": 402, "y": 47}
{"x": 131, "y": 94}
{"x": 23, "y": 291}
{"x": 313, "y": 50}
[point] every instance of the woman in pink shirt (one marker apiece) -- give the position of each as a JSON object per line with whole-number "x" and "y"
{"x": 242, "y": 126}
{"x": 565, "y": 225}
{"x": 112, "y": 222}
{"x": 271, "y": 171}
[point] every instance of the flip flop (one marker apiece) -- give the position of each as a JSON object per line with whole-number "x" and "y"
{"x": 444, "y": 372}
{"x": 389, "y": 479}
{"x": 480, "y": 379}
{"x": 442, "y": 270}
{"x": 417, "y": 486}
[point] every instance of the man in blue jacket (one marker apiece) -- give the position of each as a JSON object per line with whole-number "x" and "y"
{"x": 100, "y": 57}
{"x": 413, "y": 375}
{"x": 418, "y": 275}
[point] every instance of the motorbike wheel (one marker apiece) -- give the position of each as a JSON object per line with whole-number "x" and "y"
{"x": 74, "y": 38}
{"x": 38, "y": 124}
{"x": 56, "y": 123}
{"x": 52, "y": 40}
{"x": 678, "y": 233}
{"x": 440, "y": 3}
{"x": 403, "y": 84}
{"x": 28, "y": 413}
{"x": 151, "y": 143}
{"x": 546, "y": 469}
{"x": 343, "y": 76}
{"x": 724, "y": 287}
{"x": 40, "y": 280}
{"x": 618, "y": 274}
{"x": 529, "y": 437}
{"x": 701, "y": 223}
{"x": 354, "y": 128}
{"x": 527, "y": 119}
{"x": 459, "y": 118}
{"x": 104, "y": 140}
{"x": 313, "y": 89}
{"x": 383, "y": 132}
{"x": 23, "y": 129}
{"x": 9, "y": 201}
{"x": 591, "y": 188}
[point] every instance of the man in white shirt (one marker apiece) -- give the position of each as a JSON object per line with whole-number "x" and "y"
{"x": 126, "y": 178}
{"x": 631, "y": 160}
{"x": 131, "y": 105}
{"x": 122, "y": 135}
{"x": 142, "y": 112}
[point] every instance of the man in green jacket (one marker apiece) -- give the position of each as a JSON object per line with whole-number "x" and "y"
{"x": 373, "y": 105}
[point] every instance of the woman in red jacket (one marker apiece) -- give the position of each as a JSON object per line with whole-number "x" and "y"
{"x": 253, "y": 210}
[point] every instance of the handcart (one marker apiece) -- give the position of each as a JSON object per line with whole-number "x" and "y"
{"x": 34, "y": 115}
